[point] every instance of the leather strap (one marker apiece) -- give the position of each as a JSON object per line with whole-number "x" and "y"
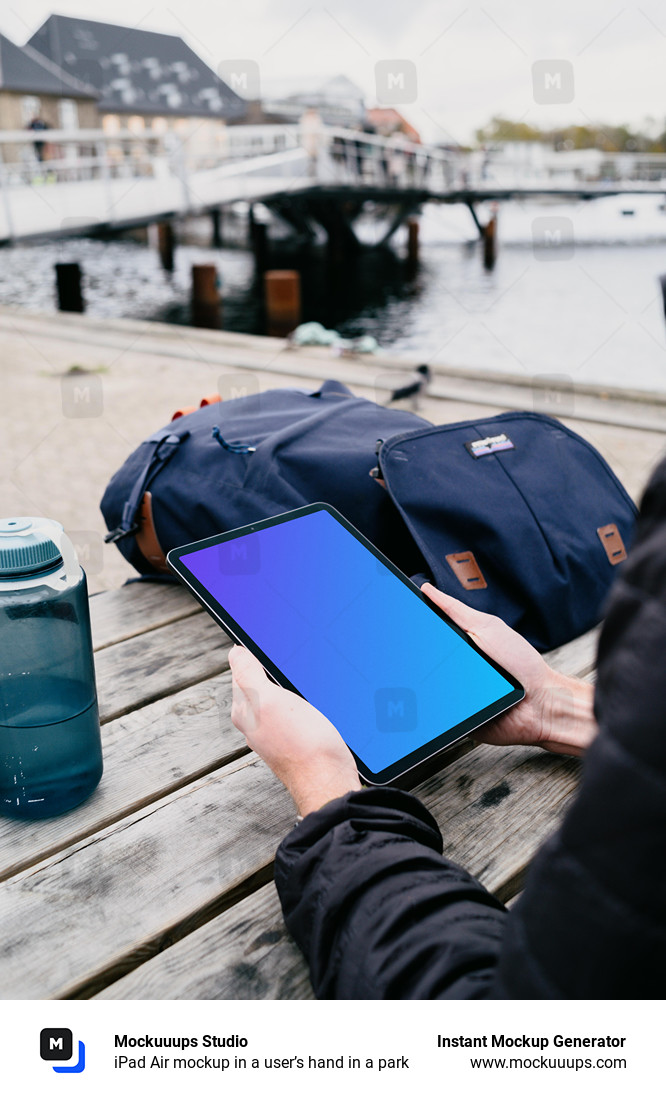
{"x": 146, "y": 536}
{"x": 466, "y": 569}
{"x": 611, "y": 540}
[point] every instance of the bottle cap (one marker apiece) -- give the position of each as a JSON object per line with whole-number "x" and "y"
{"x": 27, "y": 546}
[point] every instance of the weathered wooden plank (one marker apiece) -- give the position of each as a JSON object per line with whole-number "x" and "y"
{"x": 116, "y": 899}
{"x": 229, "y": 959}
{"x": 201, "y": 843}
{"x": 147, "y": 753}
{"x": 576, "y": 658}
{"x": 128, "y": 890}
{"x": 246, "y": 953}
{"x": 160, "y": 662}
{"x": 122, "y": 613}
{"x": 496, "y": 806}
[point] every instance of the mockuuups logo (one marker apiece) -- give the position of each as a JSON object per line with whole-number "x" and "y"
{"x": 395, "y": 81}
{"x": 242, "y": 76}
{"x": 395, "y": 709}
{"x": 56, "y": 1045}
{"x": 553, "y": 81}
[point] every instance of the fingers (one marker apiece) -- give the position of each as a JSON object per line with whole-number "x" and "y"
{"x": 466, "y": 617}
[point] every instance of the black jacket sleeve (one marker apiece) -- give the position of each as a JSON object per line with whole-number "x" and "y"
{"x": 376, "y": 909}
{"x": 592, "y": 920}
{"x": 378, "y": 912}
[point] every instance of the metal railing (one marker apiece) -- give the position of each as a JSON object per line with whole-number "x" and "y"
{"x": 27, "y": 157}
{"x": 51, "y": 179}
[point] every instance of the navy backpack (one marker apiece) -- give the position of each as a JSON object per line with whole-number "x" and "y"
{"x": 514, "y": 514}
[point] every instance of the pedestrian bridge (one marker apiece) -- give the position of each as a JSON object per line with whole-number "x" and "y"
{"x": 89, "y": 181}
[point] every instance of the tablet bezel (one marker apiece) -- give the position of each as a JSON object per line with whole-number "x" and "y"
{"x": 418, "y": 759}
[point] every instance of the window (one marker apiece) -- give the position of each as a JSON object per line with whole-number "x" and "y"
{"x": 30, "y": 108}
{"x": 122, "y": 63}
{"x": 68, "y": 114}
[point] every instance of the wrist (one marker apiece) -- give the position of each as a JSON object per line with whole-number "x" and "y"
{"x": 311, "y": 793}
{"x": 569, "y": 725}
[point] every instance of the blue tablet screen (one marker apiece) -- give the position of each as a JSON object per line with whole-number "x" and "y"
{"x": 349, "y": 635}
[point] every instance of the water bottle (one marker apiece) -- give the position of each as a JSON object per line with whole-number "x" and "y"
{"x": 50, "y": 746}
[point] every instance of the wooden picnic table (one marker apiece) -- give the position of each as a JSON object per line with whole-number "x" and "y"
{"x": 160, "y": 885}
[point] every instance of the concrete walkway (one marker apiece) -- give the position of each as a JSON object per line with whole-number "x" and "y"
{"x": 65, "y": 432}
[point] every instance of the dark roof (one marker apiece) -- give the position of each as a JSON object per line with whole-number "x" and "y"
{"x": 22, "y": 69}
{"x": 137, "y": 71}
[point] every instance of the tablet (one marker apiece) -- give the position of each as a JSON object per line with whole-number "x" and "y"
{"x": 331, "y": 618}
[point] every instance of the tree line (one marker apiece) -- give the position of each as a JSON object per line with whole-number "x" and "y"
{"x": 608, "y": 138}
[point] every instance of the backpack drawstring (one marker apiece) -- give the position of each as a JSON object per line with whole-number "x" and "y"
{"x": 234, "y": 448}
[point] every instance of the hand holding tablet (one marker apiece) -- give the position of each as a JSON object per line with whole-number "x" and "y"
{"x": 332, "y": 619}
{"x": 300, "y": 745}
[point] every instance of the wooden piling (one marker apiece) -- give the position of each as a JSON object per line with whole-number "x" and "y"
{"x": 166, "y": 243}
{"x": 68, "y": 283}
{"x": 412, "y": 242}
{"x": 206, "y": 298}
{"x": 216, "y": 221}
{"x": 282, "y": 297}
{"x": 490, "y": 243}
{"x": 260, "y": 245}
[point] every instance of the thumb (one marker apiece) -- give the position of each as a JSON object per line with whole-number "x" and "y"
{"x": 468, "y": 618}
{"x": 247, "y": 671}
{"x": 248, "y": 681}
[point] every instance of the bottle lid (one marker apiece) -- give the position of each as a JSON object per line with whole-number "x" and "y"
{"x": 27, "y": 546}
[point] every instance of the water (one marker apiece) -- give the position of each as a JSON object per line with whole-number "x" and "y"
{"x": 593, "y": 312}
{"x": 53, "y": 760}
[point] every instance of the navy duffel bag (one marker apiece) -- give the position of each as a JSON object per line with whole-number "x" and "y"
{"x": 515, "y": 514}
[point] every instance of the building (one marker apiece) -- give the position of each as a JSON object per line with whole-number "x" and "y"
{"x": 33, "y": 87}
{"x": 148, "y": 82}
{"x": 338, "y": 101}
{"x": 386, "y": 121}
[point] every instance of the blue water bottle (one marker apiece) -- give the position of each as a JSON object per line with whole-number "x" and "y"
{"x": 50, "y": 746}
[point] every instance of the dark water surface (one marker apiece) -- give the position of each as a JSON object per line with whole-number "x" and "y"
{"x": 595, "y": 315}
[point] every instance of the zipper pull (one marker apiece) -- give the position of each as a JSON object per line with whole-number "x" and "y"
{"x": 376, "y": 471}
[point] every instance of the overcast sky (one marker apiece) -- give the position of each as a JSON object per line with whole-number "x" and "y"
{"x": 470, "y": 61}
